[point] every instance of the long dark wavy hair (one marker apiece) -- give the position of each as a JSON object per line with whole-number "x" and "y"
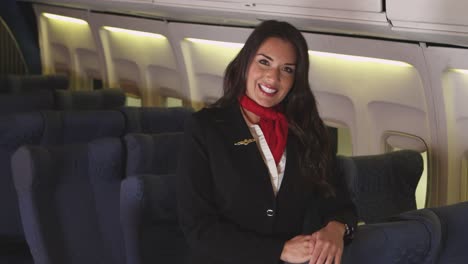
{"x": 299, "y": 105}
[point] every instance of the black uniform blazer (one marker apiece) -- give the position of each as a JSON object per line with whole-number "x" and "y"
{"x": 227, "y": 207}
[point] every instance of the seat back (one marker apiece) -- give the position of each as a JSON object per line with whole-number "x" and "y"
{"x": 64, "y": 127}
{"x": 148, "y": 200}
{"x": 153, "y": 120}
{"x": 153, "y": 153}
{"x": 453, "y": 220}
{"x": 31, "y": 83}
{"x": 69, "y": 201}
{"x": 26, "y": 93}
{"x": 45, "y": 128}
{"x": 105, "y": 99}
{"x": 382, "y": 185}
{"x": 26, "y": 102}
{"x": 15, "y": 130}
{"x": 411, "y": 237}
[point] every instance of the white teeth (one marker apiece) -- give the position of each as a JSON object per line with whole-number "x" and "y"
{"x": 267, "y": 90}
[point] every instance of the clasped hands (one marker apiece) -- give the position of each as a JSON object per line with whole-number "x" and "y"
{"x": 325, "y": 246}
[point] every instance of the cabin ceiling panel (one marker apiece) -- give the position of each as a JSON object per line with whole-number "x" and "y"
{"x": 442, "y": 21}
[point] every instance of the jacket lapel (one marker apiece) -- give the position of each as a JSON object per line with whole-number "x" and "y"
{"x": 246, "y": 157}
{"x": 291, "y": 171}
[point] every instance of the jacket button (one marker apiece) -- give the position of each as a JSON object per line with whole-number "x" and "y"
{"x": 269, "y": 212}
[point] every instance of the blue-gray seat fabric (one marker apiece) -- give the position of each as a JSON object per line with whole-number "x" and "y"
{"x": 62, "y": 127}
{"x": 105, "y": 99}
{"x": 42, "y": 128}
{"x": 152, "y": 120}
{"x": 152, "y": 153}
{"x": 453, "y": 220}
{"x": 148, "y": 200}
{"x": 149, "y": 220}
{"x": 15, "y": 130}
{"x": 25, "y": 93}
{"x": 26, "y": 102}
{"x": 410, "y": 238}
{"x": 31, "y": 83}
{"x": 382, "y": 185}
{"x": 69, "y": 201}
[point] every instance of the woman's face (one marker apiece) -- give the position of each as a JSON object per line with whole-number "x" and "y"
{"x": 271, "y": 73}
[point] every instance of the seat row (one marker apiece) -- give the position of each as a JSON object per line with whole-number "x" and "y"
{"x": 104, "y": 201}
{"x": 87, "y": 196}
{"x": 42, "y": 92}
{"x": 114, "y": 201}
{"x": 54, "y": 128}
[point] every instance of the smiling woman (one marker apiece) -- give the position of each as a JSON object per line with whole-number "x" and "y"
{"x": 240, "y": 203}
{"x": 271, "y": 73}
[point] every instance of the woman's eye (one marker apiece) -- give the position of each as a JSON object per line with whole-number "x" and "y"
{"x": 288, "y": 69}
{"x": 264, "y": 62}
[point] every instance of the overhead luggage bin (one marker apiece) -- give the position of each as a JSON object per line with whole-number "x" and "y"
{"x": 447, "y": 16}
{"x": 339, "y": 10}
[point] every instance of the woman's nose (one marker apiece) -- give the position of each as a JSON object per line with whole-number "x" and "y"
{"x": 273, "y": 73}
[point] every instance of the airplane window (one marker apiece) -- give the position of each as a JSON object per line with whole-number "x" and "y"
{"x": 397, "y": 141}
{"x": 344, "y": 144}
{"x": 173, "y": 102}
{"x": 68, "y": 47}
{"x": 142, "y": 64}
{"x": 340, "y": 138}
{"x": 205, "y": 71}
{"x": 132, "y": 92}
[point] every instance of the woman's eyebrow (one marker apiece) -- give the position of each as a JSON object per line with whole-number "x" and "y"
{"x": 270, "y": 58}
{"x": 266, "y": 56}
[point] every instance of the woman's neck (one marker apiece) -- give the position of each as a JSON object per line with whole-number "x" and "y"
{"x": 250, "y": 117}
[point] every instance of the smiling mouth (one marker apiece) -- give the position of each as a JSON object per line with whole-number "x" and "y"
{"x": 267, "y": 90}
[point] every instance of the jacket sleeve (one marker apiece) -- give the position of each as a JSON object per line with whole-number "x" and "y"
{"x": 207, "y": 232}
{"x": 339, "y": 207}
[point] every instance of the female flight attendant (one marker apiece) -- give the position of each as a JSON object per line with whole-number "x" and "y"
{"x": 256, "y": 183}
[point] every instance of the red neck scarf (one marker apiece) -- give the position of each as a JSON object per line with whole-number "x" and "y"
{"x": 273, "y": 123}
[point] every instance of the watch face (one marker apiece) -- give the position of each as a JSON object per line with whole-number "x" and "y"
{"x": 349, "y": 231}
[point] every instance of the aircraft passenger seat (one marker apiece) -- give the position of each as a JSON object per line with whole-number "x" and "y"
{"x": 148, "y": 200}
{"x": 11, "y": 103}
{"x": 409, "y": 238}
{"x": 382, "y": 185}
{"x": 31, "y": 83}
{"x": 453, "y": 220}
{"x": 153, "y": 120}
{"x": 69, "y": 201}
{"x": 42, "y": 128}
{"x": 27, "y": 93}
{"x": 104, "y": 99}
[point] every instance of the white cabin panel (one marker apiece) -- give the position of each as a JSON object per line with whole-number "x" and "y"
{"x": 135, "y": 44}
{"x": 377, "y": 77}
{"x": 449, "y": 80}
{"x": 205, "y": 52}
{"x": 429, "y": 14}
{"x": 68, "y": 45}
{"x": 355, "y": 5}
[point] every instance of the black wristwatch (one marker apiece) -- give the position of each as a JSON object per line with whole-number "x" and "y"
{"x": 349, "y": 232}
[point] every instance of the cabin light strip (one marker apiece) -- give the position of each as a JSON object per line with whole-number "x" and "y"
{"x": 359, "y": 58}
{"x": 461, "y": 71}
{"x": 217, "y": 43}
{"x": 65, "y": 19}
{"x": 134, "y": 32}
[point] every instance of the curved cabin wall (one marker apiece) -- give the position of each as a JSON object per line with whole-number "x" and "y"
{"x": 449, "y": 74}
{"x": 68, "y": 46}
{"x": 139, "y": 58}
{"x": 383, "y": 92}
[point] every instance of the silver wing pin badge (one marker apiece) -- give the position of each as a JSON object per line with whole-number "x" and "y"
{"x": 244, "y": 142}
